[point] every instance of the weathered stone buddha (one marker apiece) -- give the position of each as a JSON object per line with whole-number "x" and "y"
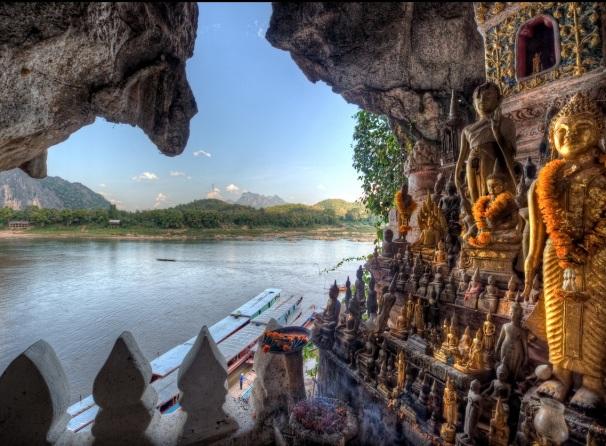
{"x": 450, "y": 290}
{"x": 567, "y": 220}
{"x": 347, "y": 297}
{"x": 512, "y": 345}
{"x": 491, "y": 138}
{"x": 419, "y": 320}
{"x": 410, "y": 310}
{"x": 405, "y": 206}
{"x": 401, "y": 328}
{"x": 388, "y": 300}
{"x": 496, "y": 213}
{"x": 450, "y": 205}
{"x": 371, "y": 302}
{"x": 463, "y": 282}
{"x": 512, "y": 289}
{"x": 325, "y": 323}
{"x": 472, "y": 410}
{"x": 499, "y": 387}
{"x": 388, "y": 247}
{"x": 422, "y": 289}
{"x": 361, "y": 286}
{"x": 490, "y": 296}
{"x": 366, "y": 358}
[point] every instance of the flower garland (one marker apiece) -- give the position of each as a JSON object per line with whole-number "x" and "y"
{"x": 553, "y": 215}
{"x": 403, "y": 210}
{"x": 484, "y": 209}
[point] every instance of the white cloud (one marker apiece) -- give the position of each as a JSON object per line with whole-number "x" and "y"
{"x": 160, "y": 199}
{"x": 232, "y": 188}
{"x": 202, "y": 153}
{"x": 176, "y": 174}
{"x": 111, "y": 199}
{"x": 321, "y": 187}
{"x": 102, "y": 185}
{"x": 146, "y": 176}
{"x": 215, "y": 193}
{"x": 188, "y": 177}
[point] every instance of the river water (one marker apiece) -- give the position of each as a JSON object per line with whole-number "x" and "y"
{"x": 80, "y": 295}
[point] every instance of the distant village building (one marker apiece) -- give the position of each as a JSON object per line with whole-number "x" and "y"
{"x": 114, "y": 222}
{"x": 18, "y": 224}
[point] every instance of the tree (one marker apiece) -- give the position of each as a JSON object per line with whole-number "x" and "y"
{"x": 379, "y": 160}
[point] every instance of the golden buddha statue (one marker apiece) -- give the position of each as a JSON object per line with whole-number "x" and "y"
{"x": 410, "y": 310}
{"x": 440, "y": 255}
{"x": 567, "y": 217}
{"x": 401, "y": 380}
{"x": 491, "y": 138}
{"x": 401, "y": 329}
{"x": 418, "y": 316}
{"x": 465, "y": 344}
{"x": 432, "y": 224}
{"x": 475, "y": 363}
{"x": 499, "y": 430}
{"x": 490, "y": 334}
{"x": 448, "y": 429}
{"x": 405, "y": 206}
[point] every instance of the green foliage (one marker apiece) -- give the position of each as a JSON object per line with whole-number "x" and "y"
{"x": 379, "y": 160}
{"x": 310, "y": 352}
{"x": 343, "y": 262}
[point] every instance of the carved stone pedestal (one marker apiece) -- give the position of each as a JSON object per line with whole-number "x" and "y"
{"x": 496, "y": 260}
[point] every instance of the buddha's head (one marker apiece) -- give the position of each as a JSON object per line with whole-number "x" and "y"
{"x": 577, "y": 128}
{"x": 495, "y": 185}
{"x": 486, "y": 98}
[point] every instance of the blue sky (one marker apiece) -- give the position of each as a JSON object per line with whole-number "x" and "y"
{"x": 261, "y": 126}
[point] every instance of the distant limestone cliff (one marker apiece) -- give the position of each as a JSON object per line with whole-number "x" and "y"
{"x": 18, "y": 191}
{"x": 258, "y": 201}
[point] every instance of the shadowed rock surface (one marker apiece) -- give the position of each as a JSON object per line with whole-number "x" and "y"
{"x": 66, "y": 63}
{"x": 397, "y": 59}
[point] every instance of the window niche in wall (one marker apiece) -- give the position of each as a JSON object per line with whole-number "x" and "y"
{"x": 537, "y": 46}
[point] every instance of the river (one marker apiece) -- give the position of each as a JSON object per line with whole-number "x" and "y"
{"x": 80, "y": 295}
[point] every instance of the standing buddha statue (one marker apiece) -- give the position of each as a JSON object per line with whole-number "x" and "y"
{"x": 448, "y": 430}
{"x": 567, "y": 217}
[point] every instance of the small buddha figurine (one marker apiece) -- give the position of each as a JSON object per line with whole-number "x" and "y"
{"x": 453, "y": 249}
{"x": 366, "y": 358}
{"x": 536, "y": 63}
{"x": 495, "y": 214}
{"x": 492, "y": 137}
{"x": 402, "y": 325}
{"x": 418, "y": 317}
{"x": 465, "y": 344}
{"x": 512, "y": 289}
{"x": 401, "y": 277}
{"x": 432, "y": 224}
{"x": 389, "y": 298}
{"x": 347, "y": 297}
{"x": 437, "y": 284}
{"x": 388, "y": 247}
{"x": 450, "y": 290}
{"x": 499, "y": 430}
{"x": 476, "y": 356}
{"x": 475, "y": 288}
{"x": 490, "y": 295}
{"x": 536, "y": 292}
{"x": 410, "y": 310}
{"x": 499, "y": 387}
{"x": 472, "y": 410}
{"x": 450, "y": 412}
{"x": 360, "y": 286}
{"x": 371, "y": 303}
{"x": 435, "y": 403}
{"x": 355, "y": 316}
{"x": 450, "y": 205}
{"x": 401, "y": 377}
{"x": 463, "y": 282}
{"x": 422, "y": 290}
{"x": 489, "y": 332}
{"x": 440, "y": 256}
{"x": 512, "y": 345}
{"x": 405, "y": 206}
{"x": 326, "y": 322}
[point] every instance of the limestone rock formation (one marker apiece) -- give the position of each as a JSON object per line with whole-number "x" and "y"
{"x": 63, "y": 64}
{"x": 397, "y": 59}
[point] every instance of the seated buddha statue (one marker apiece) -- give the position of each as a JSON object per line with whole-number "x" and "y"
{"x": 401, "y": 328}
{"x": 388, "y": 248}
{"x": 325, "y": 323}
{"x": 496, "y": 214}
{"x": 474, "y": 289}
{"x": 440, "y": 256}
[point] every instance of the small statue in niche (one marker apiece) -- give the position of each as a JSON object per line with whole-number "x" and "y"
{"x": 499, "y": 430}
{"x": 472, "y": 410}
{"x": 405, "y": 206}
{"x": 512, "y": 289}
{"x": 371, "y": 304}
{"x": 495, "y": 214}
{"x": 388, "y": 247}
{"x": 512, "y": 345}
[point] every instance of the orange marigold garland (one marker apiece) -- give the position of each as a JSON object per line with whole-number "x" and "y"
{"x": 403, "y": 210}
{"x": 553, "y": 215}
{"x": 484, "y": 209}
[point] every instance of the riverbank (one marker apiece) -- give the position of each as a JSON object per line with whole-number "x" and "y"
{"x": 358, "y": 233}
